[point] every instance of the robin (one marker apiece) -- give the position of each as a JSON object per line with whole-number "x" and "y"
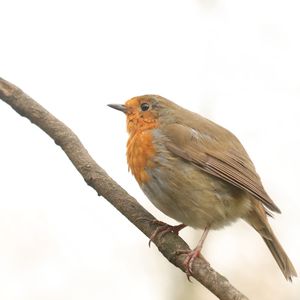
{"x": 197, "y": 173}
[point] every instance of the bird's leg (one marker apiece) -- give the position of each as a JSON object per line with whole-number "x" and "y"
{"x": 192, "y": 254}
{"x": 163, "y": 229}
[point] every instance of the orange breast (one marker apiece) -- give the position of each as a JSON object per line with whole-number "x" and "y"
{"x": 140, "y": 152}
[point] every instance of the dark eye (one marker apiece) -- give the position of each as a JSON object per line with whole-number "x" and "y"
{"x": 145, "y": 106}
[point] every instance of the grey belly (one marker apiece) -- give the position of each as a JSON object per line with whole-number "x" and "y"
{"x": 193, "y": 197}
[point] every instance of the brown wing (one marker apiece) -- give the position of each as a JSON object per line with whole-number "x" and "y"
{"x": 218, "y": 153}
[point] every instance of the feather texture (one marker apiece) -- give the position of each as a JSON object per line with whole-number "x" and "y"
{"x": 230, "y": 163}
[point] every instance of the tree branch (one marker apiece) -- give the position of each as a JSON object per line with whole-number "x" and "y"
{"x": 98, "y": 179}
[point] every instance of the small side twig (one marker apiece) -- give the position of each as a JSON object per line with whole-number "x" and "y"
{"x": 98, "y": 179}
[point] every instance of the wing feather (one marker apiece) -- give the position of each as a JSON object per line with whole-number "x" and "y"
{"x": 222, "y": 156}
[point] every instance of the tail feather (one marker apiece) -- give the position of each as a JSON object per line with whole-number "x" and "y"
{"x": 280, "y": 256}
{"x": 258, "y": 220}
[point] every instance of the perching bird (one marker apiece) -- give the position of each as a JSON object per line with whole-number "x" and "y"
{"x": 196, "y": 172}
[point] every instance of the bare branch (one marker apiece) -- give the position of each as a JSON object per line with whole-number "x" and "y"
{"x": 98, "y": 179}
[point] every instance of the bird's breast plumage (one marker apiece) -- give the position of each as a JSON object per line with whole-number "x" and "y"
{"x": 140, "y": 154}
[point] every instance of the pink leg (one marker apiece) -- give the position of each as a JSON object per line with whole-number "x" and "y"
{"x": 163, "y": 229}
{"x": 192, "y": 254}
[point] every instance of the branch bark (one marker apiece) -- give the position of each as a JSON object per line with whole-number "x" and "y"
{"x": 98, "y": 179}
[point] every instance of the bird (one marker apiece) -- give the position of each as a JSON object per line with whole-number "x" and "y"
{"x": 197, "y": 173}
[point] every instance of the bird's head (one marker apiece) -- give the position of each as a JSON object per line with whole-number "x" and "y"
{"x": 146, "y": 112}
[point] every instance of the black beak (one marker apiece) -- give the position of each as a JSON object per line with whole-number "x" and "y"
{"x": 120, "y": 107}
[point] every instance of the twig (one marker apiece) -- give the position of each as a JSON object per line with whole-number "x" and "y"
{"x": 97, "y": 178}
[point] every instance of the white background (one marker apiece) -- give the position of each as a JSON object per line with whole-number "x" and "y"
{"x": 236, "y": 62}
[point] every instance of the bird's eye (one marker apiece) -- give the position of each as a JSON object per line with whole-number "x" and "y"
{"x": 145, "y": 106}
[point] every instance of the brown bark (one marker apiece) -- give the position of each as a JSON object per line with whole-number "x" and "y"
{"x": 98, "y": 179}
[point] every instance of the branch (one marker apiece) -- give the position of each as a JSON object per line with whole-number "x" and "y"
{"x": 98, "y": 179}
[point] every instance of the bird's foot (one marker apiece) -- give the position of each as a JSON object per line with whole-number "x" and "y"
{"x": 191, "y": 255}
{"x": 163, "y": 228}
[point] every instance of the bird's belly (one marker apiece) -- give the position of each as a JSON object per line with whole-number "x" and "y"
{"x": 193, "y": 197}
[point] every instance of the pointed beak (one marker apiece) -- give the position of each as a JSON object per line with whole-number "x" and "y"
{"x": 120, "y": 107}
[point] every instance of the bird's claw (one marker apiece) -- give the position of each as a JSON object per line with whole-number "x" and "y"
{"x": 162, "y": 228}
{"x": 191, "y": 255}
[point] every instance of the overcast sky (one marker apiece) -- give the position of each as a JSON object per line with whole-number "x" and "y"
{"x": 236, "y": 62}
